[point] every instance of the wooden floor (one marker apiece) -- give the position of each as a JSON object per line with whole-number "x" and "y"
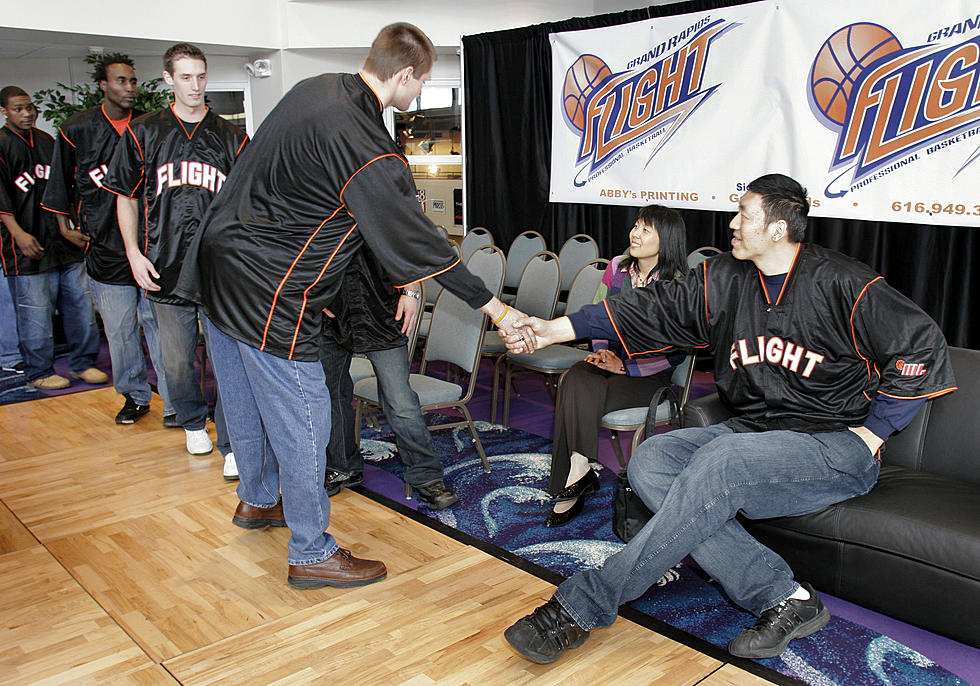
{"x": 119, "y": 564}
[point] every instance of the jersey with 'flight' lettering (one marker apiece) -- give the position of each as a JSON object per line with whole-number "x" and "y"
{"x": 25, "y": 165}
{"x": 812, "y": 360}
{"x": 82, "y": 150}
{"x": 174, "y": 169}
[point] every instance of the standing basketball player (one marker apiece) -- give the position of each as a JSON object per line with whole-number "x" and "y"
{"x": 43, "y": 268}
{"x": 83, "y": 147}
{"x": 322, "y": 178}
{"x": 166, "y": 171}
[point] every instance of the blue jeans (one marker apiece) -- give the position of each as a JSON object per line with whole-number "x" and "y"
{"x": 278, "y": 414}
{"x": 179, "y": 333}
{"x": 696, "y": 480}
{"x": 399, "y": 402}
{"x": 122, "y": 309}
{"x": 37, "y": 296}
{"x": 9, "y": 341}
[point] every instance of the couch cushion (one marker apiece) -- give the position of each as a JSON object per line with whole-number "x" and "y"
{"x": 924, "y": 517}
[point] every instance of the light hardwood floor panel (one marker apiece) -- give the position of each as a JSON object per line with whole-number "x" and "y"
{"x": 51, "y": 630}
{"x": 730, "y": 675}
{"x": 185, "y": 577}
{"x": 80, "y": 488}
{"x": 13, "y": 535}
{"x": 69, "y": 421}
{"x": 441, "y": 624}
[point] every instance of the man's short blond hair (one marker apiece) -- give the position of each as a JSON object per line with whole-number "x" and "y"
{"x": 398, "y": 46}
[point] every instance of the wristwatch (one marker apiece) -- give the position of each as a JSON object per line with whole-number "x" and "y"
{"x": 413, "y": 294}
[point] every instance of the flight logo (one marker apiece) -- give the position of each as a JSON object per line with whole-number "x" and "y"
{"x": 614, "y": 114}
{"x": 890, "y": 104}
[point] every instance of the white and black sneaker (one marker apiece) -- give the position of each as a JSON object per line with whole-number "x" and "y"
{"x": 779, "y": 625}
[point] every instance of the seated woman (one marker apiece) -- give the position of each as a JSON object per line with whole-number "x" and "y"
{"x": 607, "y": 380}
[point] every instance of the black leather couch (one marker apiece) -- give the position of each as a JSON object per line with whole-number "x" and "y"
{"x": 911, "y": 547}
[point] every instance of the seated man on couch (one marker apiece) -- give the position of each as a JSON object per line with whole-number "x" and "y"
{"x": 820, "y": 360}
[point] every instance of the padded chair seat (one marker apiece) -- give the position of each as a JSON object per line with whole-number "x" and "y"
{"x": 916, "y": 515}
{"x": 431, "y": 391}
{"x": 360, "y": 368}
{"x": 554, "y": 357}
{"x": 634, "y": 416}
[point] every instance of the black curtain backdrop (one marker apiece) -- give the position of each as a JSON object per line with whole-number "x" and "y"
{"x": 507, "y": 75}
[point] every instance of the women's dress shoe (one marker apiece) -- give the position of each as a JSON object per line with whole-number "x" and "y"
{"x": 587, "y": 484}
{"x": 562, "y": 518}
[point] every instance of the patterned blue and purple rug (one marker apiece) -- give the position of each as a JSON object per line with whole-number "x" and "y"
{"x": 506, "y": 509}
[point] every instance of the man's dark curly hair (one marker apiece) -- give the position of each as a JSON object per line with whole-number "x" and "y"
{"x": 99, "y": 73}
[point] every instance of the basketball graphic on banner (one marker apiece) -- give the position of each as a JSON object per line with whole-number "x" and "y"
{"x": 581, "y": 79}
{"x": 841, "y": 60}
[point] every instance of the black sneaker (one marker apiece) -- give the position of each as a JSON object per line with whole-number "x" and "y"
{"x": 131, "y": 411}
{"x": 546, "y": 633}
{"x": 170, "y": 422}
{"x": 779, "y": 625}
{"x": 437, "y": 495}
{"x": 334, "y": 481}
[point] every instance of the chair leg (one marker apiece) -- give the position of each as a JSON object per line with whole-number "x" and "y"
{"x": 508, "y": 380}
{"x": 614, "y": 436}
{"x": 495, "y": 388}
{"x": 408, "y": 491}
{"x": 476, "y": 438}
{"x": 638, "y": 437}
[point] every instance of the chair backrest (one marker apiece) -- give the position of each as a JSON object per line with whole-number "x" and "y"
{"x": 574, "y": 254}
{"x": 699, "y": 255}
{"x": 475, "y": 238}
{"x": 537, "y": 291}
{"x": 585, "y": 284}
{"x": 456, "y": 330}
{"x": 521, "y": 250}
{"x": 435, "y": 288}
{"x": 489, "y": 264}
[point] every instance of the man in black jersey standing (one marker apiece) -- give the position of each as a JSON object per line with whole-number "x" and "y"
{"x": 82, "y": 151}
{"x": 166, "y": 170}
{"x": 322, "y": 178}
{"x": 43, "y": 268}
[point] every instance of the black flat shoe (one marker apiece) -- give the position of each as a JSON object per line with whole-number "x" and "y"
{"x": 562, "y": 518}
{"x": 587, "y": 484}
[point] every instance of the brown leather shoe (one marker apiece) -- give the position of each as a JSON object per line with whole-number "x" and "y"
{"x": 341, "y": 569}
{"x": 249, "y": 517}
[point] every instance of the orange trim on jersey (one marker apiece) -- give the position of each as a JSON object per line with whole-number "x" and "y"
{"x": 240, "y": 147}
{"x": 387, "y": 154}
{"x": 423, "y": 278}
{"x": 857, "y": 301}
{"x": 623, "y": 343}
{"x": 136, "y": 140}
{"x": 45, "y": 207}
{"x": 302, "y": 310}
{"x": 762, "y": 282}
{"x": 146, "y": 224}
{"x": 10, "y": 213}
{"x": 30, "y": 143}
{"x": 181, "y": 121}
{"x": 62, "y": 132}
{"x": 380, "y": 105}
{"x": 927, "y": 396}
{"x": 120, "y": 125}
{"x": 275, "y": 297}
{"x": 122, "y": 195}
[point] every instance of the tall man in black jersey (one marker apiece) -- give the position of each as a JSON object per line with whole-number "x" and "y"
{"x": 166, "y": 170}
{"x": 82, "y": 151}
{"x": 820, "y": 360}
{"x": 322, "y": 178}
{"x": 44, "y": 269}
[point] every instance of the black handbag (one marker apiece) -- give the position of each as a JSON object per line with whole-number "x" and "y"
{"x": 630, "y": 513}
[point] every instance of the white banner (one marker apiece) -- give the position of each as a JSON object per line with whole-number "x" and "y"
{"x": 874, "y": 106}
